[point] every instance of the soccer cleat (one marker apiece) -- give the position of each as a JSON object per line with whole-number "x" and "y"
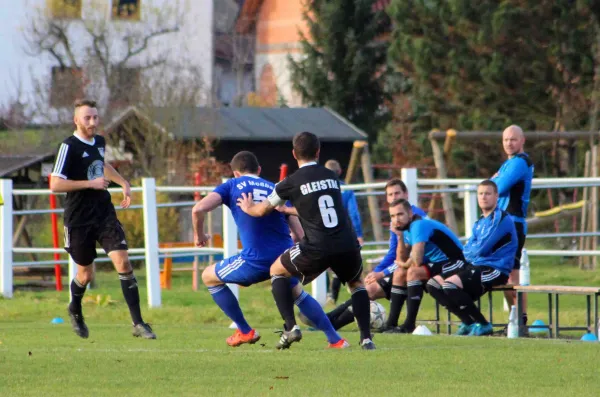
{"x": 305, "y": 320}
{"x": 78, "y": 324}
{"x": 143, "y": 330}
{"x": 481, "y": 330}
{"x": 341, "y": 344}
{"x": 289, "y": 337}
{"x": 403, "y": 329}
{"x": 464, "y": 329}
{"x": 367, "y": 344}
{"x": 239, "y": 338}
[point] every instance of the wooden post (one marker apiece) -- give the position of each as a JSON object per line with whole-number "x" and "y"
{"x": 357, "y": 148}
{"x": 374, "y": 211}
{"x": 584, "y": 210}
{"x": 440, "y": 164}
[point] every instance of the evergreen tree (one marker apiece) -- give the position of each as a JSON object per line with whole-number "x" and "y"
{"x": 343, "y": 61}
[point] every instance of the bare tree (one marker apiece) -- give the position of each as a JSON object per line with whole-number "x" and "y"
{"x": 97, "y": 57}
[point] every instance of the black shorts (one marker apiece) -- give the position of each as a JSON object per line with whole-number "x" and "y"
{"x": 80, "y": 241}
{"x": 477, "y": 280}
{"x": 386, "y": 285}
{"x": 521, "y": 239}
{"x": 445, "y": 269}
{"x": 307, "y": 264}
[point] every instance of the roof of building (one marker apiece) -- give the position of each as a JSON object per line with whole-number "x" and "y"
{"x": 12, "y": 163}
{"x": 246, "y": 123}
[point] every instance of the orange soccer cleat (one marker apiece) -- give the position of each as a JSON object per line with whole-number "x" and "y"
{"x": 341, "y": 344}
{"x": 238, "y": 338}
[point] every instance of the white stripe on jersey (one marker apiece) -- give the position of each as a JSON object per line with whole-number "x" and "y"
{"x": 60, "y": 160}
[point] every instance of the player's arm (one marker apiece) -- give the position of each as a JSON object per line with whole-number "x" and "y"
{"x": 202, "y": 207}
{"x": 510, "y": 175}
{"x": 387, "y": 265}
{"x": 417, "y": 253}
{"x": 113, "y": 175}
{"x": 256, "y": 209}
{"x": 295, "y": 228}
{"x": 354, "y": 214}
{"x": 289, "y": 211}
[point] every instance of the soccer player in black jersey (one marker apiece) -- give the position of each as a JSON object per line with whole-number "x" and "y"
{"x": 329, "y": 239}
{"x": 90, "y": 217}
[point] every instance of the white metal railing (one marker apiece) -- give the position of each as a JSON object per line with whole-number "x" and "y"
{"x": 152, "y": 253}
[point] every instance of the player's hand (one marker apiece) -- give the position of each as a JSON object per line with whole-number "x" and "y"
{"x": 373, "y": 277}
{"x": 495, "y": 175}
{"x": 245, "y": 202}
{"x": 284, "y": 209}
{"x": 201, "y": 239}
{"x": 99, "y": 183}
{"x": 396, "y": 231}
{"x": 361, "y": 241}
{"x": 126, "y": 196}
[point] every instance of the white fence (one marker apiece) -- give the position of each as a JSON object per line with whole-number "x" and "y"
{"x": 152, "y": 253}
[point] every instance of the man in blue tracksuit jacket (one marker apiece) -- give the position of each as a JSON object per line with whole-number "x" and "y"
{"x": 514, "y": 188}
{"x": 490, "y": 255}
{"x": 349, "y": 201}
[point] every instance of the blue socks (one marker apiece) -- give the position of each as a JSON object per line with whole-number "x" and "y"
{"x": 227, "y": 301}
{"x": 313, "y": 310}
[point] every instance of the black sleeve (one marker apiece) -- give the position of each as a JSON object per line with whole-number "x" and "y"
{"x": 64, "y": 158}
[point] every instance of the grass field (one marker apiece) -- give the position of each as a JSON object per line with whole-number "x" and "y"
{"x": 190, "y": 356}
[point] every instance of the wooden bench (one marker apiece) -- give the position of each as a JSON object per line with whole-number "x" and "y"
{"x": 554, "y": 291}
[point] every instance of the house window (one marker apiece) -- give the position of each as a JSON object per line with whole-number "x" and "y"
{"x": 124, "y": 86}
{"x": 67, "y": 86}
{"x": 64, "y": 9}
{"x": 128, "y": 10}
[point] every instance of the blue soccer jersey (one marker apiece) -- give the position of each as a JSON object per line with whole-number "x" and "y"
{"x": 387, "y": 265}
{"x": 263, "y": 238}
{"x": 493, "y": 243}
{"x": 514, "y": 186}
{"x": 441, "y": 244}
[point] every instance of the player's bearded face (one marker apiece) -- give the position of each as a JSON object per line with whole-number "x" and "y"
{"x": 400, "y": 218}
{"x": 87, "y": 120}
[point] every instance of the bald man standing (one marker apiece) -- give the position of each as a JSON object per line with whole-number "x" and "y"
{"x": 514, "y": 187}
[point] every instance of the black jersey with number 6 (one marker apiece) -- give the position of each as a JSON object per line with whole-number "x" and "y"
{"x": 79, "y": 160}
{"x": 315, "y": 192}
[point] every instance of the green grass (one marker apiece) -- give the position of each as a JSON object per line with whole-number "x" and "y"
{"x": 191, "y": 357}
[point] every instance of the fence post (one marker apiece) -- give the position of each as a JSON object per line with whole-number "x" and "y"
{"x": 319, "y": 289}
{"x": 230, "y": 246}
{"x": 470, "y": 207}
{"x": 151, "y": 242}
{"x": 6, "y": 236}
{"x": 409, "y": 177}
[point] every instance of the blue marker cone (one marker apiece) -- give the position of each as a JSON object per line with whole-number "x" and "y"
{"x": 537, "y": 327}
{"x": 589, "y": 337}
{"x": 57, "y": 320}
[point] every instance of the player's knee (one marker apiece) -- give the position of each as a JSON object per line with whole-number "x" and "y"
{"x": 375, "y": 291}
{"x": 355, "y": 284}
{"x": 209, "y": 277}
{"x": 85, "y": 278}
{"x": 413, "y": 273}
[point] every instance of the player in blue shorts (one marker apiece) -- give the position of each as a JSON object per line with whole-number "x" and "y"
{"x": 263, "y": 240}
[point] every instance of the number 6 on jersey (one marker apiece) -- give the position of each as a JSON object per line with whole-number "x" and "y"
{"x": 328, "y": 213}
